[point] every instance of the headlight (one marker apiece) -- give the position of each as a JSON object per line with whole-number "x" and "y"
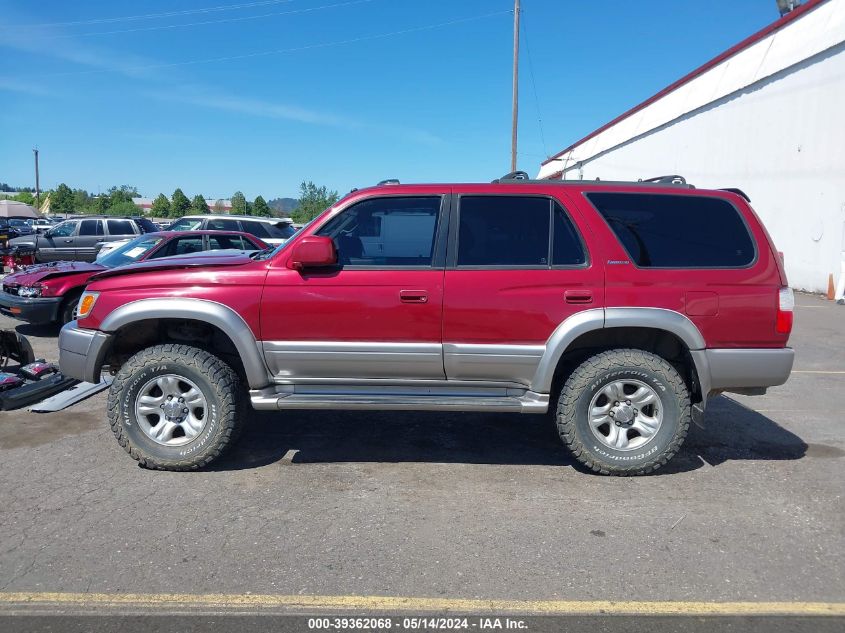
{"x": 29, "y": 292}
{"x": 86, "y": 304}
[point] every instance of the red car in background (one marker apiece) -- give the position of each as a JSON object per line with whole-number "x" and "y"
{"x": 47, "y": 293}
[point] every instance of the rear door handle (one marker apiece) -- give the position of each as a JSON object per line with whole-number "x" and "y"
{"x": 578, "y": 296}
{"x": 413, "y": 296}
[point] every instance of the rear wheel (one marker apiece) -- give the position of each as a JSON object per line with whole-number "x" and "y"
{"x": 624, "y": 412}
{"x": 175, "y": 407}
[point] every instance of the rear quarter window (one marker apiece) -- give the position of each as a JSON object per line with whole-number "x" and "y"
{"x": 671, "y": 231}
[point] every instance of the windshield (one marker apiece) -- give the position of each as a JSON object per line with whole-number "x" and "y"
{"x": 185, "y": 224}
{"x": 130, "y": 252}
{"x": 19, "y": 224}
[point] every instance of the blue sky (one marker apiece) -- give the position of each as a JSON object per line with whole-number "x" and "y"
{"x": 259, "y": 95}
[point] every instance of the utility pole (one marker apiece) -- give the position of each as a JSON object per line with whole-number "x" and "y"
{"x": 37, "y": 187}
{"x": 515, "y": 116}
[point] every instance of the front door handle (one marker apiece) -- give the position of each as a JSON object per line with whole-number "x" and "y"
{"x": 68, "y": 241}
{"x": 578, "y": 296}
{"x": 413, "y": 296}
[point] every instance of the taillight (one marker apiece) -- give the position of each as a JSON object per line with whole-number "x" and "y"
{"x": 786, "y": 307}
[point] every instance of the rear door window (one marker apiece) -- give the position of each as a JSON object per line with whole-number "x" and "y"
{"x": 516, "y": 231}
{"x": 671, "y": 231}
{"x": 256, "y": 228}
{"x": 90, "y": 228}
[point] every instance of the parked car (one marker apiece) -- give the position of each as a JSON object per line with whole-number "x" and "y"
{"x": 21, "y": 226}
{"x": 271, "y": 230}
{"x": 8, "y": 232}
{"x": 79, "y": 239}
{"x": 45, "y": 293}
{"x": 621, "y": 307}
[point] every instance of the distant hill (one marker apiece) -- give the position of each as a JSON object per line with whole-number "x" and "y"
{"x": 283, "y": 206}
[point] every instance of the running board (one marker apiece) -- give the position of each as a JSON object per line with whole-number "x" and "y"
{"x": 527, "y": 402}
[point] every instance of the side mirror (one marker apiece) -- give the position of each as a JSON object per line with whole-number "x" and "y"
{"x": 313, "y": 251}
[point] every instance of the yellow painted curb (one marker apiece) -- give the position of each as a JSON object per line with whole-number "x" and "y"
{"x": 389, "y": 603}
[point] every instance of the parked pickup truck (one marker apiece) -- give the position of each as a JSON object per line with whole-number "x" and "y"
{"x": 619, "y": 307}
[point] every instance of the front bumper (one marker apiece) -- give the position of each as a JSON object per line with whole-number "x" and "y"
{"x": 81, "y": 352}
{"x": 35, "y": 310}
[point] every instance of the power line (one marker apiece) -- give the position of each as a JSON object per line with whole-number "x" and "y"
{"x": 534, "y": 84}
{"x": 152, "y": 16}
{"x": 205, "y": 22}
{"x": 212, "y": 60}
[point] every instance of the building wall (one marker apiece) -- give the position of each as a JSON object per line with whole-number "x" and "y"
{"x": 781, "y": 140}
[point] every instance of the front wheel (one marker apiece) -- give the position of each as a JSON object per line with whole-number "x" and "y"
{"x": 175, "y": 407}
{"x": 624, "y": 412}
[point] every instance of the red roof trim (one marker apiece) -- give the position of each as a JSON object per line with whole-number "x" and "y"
{"x": 759, "y": 35}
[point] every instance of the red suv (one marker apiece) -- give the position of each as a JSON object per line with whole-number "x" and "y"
{"x": 621, "y": 307}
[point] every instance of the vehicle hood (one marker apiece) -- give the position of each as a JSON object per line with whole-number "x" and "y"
{"x": 210, "y": 259}
{"x": 42, "y": 272}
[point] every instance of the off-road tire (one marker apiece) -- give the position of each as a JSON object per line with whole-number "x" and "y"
{"x": 220, "y": 386}
{"x": 589, "y": 378}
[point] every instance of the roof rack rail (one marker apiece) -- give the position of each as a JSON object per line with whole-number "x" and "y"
{"x": 388, "y": 181}
{"x": 666, "y": 180}
{"x": 514, "y": 175}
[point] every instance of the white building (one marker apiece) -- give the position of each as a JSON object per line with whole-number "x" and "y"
{"x": 766, "y": 116}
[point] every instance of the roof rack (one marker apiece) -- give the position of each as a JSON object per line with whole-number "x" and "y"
{"x": 523, "y": 177}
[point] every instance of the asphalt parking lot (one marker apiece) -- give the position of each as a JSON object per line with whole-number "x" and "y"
{"x": 436, "y": 506}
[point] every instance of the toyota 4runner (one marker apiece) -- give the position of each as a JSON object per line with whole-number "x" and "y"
{"x": 620, "y": 307}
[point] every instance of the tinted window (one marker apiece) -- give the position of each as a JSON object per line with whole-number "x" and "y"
{"x": 282, "y": 230}
{"x": 386, "y": 232}
{"x": 503, "y": 231}
{"x": 567, "y": 249}
{"x": 121, "y": 227}
{"x": 90, "y": 227}
{"x": 256, "y": 228}
{"x": 217, "y": 242}
{"x": 677, "y": 231}
{"x": 146, "y": 225}
{"x": 185, "y": 246}
{"x": 221, "y": 225}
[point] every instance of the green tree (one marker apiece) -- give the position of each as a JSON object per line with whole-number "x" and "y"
{"x": 260, "y": 207}
{"x": 122, "y": 208}
{"x": 199, "y": 205}
{"x": 100, "y": 205}
{"x": 61, "y": 200}
{"x": 124, "y": 193}
{"x": 160, "y": 207}
{"x": 239, "y": 206}
{"x": 313, "y": 200}
{"x": 179, "y": 204}
{"x": 81, "y": 200}
{"x": 25, "y": 197}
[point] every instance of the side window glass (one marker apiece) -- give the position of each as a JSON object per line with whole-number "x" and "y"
{"x": 504, "y": 231}
{"x": 386, "y": 232}
{"x": 223, "y": 225}
{"x": 567, "y": 248}
{"x": 256, "y": 228}
{"x": 120, "y": 227}
{"x": 673, "y": 231}
{"x": 65, "y": 229}
{"x": 218, "y": 242}
{"x": 187, "y": 245}
{"x": 88, "y": 228}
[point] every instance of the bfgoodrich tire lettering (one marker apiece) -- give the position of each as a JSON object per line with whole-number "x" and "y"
{"x": 598, "y": 375}
{"x": 216, "y": 380}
